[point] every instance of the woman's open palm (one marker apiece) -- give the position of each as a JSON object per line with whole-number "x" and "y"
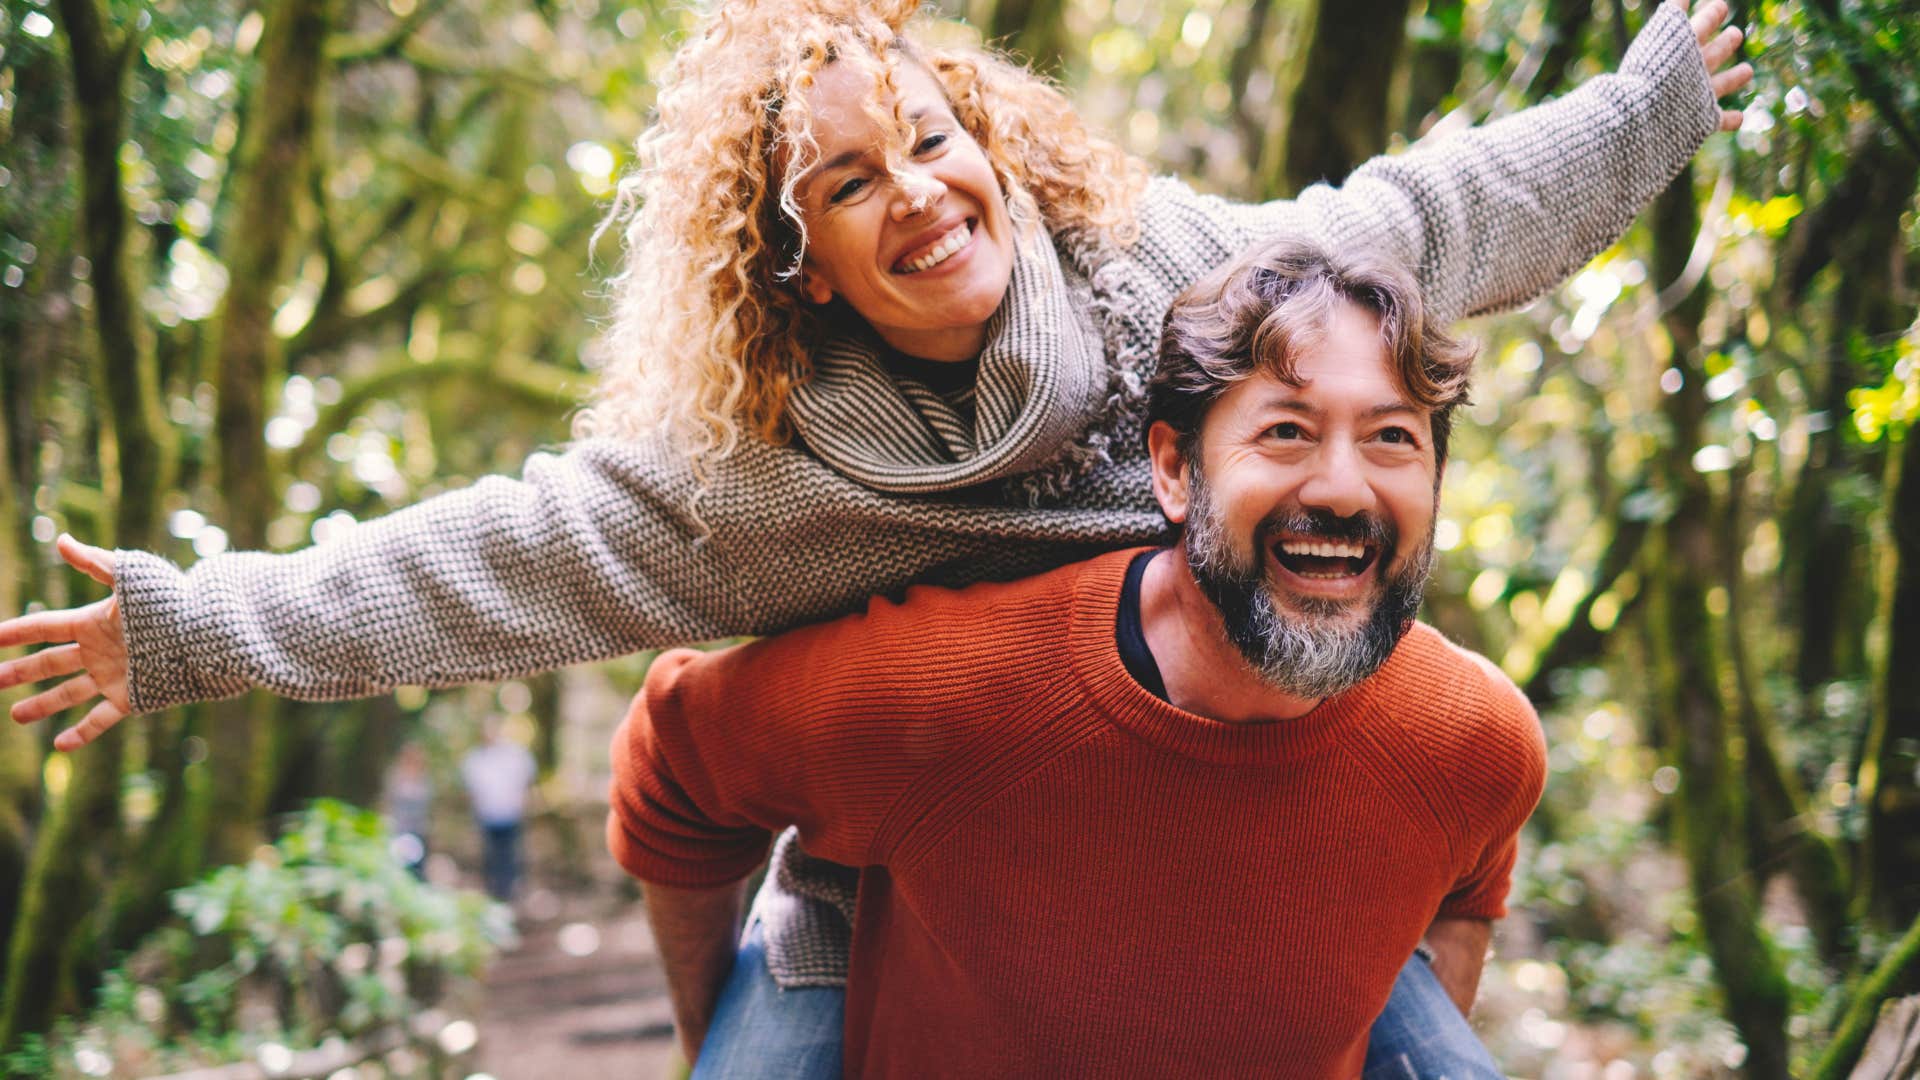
{"x": 87, "y": 643}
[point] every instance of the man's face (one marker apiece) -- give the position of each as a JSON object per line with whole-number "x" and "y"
{"x": 1310, "y": 512}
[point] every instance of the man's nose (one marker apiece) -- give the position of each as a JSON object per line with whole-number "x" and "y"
{"x": 915, "y": 191}
{"x": 1337, "y": 481}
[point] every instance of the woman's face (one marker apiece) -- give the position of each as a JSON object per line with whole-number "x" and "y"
{"x": 923, "y": 253}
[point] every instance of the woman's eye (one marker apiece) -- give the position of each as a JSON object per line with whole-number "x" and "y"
{"x": 848, "y": 190}
{"x": 1397, "y": 436}
{"x": 931, "y": 143}
{"x": 1286, "y": 430}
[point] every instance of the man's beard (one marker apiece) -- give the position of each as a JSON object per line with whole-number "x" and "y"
{"x": 1314, "y": 655}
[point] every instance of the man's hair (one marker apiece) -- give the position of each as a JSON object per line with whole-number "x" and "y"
{"x": 1258, "y": 312}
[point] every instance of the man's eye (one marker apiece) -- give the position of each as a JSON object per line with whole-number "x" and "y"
{"x": 848, "y": 190}
{"x": 931, "y": 143}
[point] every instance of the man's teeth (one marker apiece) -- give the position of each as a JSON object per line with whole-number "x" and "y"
{"x": 1323, "y": 550}
{"x": 942, "y": 251}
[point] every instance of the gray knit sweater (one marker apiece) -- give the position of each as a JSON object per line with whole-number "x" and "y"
{"x": 602, "y": 550}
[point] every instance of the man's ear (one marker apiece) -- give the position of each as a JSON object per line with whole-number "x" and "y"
{"x": 1169, "y": 471}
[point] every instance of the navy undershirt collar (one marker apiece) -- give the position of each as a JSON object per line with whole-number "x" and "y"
{"x": 1130, "y": 635}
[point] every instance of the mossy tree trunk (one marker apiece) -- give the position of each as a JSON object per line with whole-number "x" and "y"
{"x": 1437, "y": 56}
{"x": 1338, "y": 111}
{"x": 1856, "y": 233}
{"x": 57, "y": 936}
{"x": 1709, "y": 815}
{"x": 19, "y": 746}
{"x": 267, "y": 181}
{"x": 1887, "y": 773}
{"x": 1033, "y": 30}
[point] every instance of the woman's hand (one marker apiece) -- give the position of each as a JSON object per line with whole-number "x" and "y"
{"x": 87, "y": 640}
{"x": 1717, "y": 46}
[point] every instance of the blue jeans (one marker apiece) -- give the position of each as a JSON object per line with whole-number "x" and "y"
{"x": 500, "y": 859}
{"x": 762, "y": 1031}
{"x": 1422, "y": 1036}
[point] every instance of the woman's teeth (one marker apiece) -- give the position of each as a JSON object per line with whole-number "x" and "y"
{"x": 940, "y": 252}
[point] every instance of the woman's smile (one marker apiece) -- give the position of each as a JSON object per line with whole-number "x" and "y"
{"x": 918, "y": 243}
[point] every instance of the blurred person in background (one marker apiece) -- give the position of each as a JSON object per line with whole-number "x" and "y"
{"x": 498, "y": 775}
{"x": 408, "y": 802}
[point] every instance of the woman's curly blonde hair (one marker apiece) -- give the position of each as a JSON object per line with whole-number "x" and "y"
{"x": 709, "y": 333}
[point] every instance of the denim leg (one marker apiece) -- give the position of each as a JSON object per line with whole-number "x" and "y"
{"x": 762, "y": 1031}
{"x": 500, "y": 859}
{"x": 1422, "y": 1036}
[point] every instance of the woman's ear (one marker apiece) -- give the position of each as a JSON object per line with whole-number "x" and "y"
{"x": 814, "y": 287}
{"x": 1169, "y": 471}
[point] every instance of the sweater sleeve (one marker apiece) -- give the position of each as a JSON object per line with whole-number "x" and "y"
{"x": 1492, "y": 217}
{"x": 1500, "y": 778}
{"x": 589, "y": 554}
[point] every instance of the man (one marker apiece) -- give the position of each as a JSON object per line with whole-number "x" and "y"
{"x": 498, "y": 774}
{"x": 1161, "y": 813}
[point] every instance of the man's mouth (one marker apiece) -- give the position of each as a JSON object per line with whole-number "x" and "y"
{"x": 1325, "y": 560}
{"x": 942, "y": 248}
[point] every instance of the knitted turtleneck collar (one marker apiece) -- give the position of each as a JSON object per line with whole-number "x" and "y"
{"x": 1049, "y": 386}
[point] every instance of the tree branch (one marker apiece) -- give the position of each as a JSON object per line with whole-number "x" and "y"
{"x": 1864, "y": 1010}
{"x": 1867, "y": 76}
{"x": 387, "y": 43}
{"x": 539, "y": 385}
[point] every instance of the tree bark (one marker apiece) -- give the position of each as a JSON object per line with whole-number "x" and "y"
{"x": 1856, "y": 232}
{"x": 1710, "y": 812}
{"x": 1565, "y": 24}
{"x": 1251, "y": 121}
{"x": 1033, "y": 30}
{"x": 1887, "y": 780}
{"x": 267, "y": 179}
{"x": 19, "y": 746}
{"x": 1857, "y": 1021}
{"x": 1433, "y": 71}
{"x": 1337, "y": 114}
{"x": 56, "y": 938}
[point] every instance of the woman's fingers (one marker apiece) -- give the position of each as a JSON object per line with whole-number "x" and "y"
{"x": 45, "y": 664}
{"x": 96, "y": 563}
{"x": 41, "y": 627}
{"x": 1721, "y": 49}
{"x": 97, "y": 721}
{"x": 59, "y": 699}
{"x": 1731, "y": 119}
{"x": 1707, "y": 18}
{"x": 1731, "y": 81}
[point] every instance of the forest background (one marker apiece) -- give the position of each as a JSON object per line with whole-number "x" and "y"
{"x": 269, "y": 270}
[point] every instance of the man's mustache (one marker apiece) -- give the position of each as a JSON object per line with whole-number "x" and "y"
{"x": 1364, "y": 527}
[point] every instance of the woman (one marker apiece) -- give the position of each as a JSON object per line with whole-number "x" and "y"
{"x": 885, "y": 315}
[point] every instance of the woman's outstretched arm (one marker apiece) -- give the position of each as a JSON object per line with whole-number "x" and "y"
{"x": 588, "y": 555}
{"x": 1494, "y": 216}
{"x": 600, "y": 552}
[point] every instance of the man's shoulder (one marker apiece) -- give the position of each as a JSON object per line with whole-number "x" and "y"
{"x": 926, "y": 635}
{"x": 1459, "y": 705}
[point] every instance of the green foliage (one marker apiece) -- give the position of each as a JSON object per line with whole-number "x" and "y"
{"x": 1889, "y": 409}
{"x": 321, "y": 935}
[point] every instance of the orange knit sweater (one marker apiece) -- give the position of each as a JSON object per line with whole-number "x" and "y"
{"x": 1065, "y": 875}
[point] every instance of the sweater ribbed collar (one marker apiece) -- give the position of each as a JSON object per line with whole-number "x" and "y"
{"x": 1060, "y": 366}
{"x": 1136, "y": 709}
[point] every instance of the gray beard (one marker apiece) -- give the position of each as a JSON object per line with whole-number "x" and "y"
{"x": 1310, "y": 656}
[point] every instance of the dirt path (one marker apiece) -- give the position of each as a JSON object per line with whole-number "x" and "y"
{"x": 582, "y": 998}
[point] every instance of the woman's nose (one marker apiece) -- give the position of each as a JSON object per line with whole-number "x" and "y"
{"x": 916, "y": 191}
